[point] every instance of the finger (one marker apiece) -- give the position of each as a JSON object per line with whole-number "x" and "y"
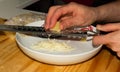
{"x": 68, "y": 22}
{"x": 114, "y": 46}
{"x": 103, "y": 39}
{"x": 109, "y": 27}
{"x": 60, "y": 12}
{"x": 49, "y": 16}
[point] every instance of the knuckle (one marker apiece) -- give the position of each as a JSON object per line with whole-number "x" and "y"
{"x": 115, "y": 49}
{"x": 118, "y": 54}
{"x": 52, "y": 7}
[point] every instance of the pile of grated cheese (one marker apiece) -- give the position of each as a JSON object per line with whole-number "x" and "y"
{"x": 52, "y": 46}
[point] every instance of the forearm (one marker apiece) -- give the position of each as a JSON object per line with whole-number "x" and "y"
{"x": 109, "y": 12}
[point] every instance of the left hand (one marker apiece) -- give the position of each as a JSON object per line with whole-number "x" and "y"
{"x": 72, "y": 14}
{"x": 112, "y": 39}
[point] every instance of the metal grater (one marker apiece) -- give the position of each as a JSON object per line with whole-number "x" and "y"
{"x": 41, "y": 32}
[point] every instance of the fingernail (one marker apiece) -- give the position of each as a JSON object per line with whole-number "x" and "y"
{"x": 94, "y": 42}
{"x": 61, "y": 27}
{"x": 99, "y": 26}
{"x": 46, "y": 27}
{"x": 96, "y": 45}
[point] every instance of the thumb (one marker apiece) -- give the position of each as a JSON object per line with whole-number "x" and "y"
{"x": 102, "y": 39}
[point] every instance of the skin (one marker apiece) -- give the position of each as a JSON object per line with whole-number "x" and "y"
{"x": 74, "y": 14}
{"x": 70, "y": 15}
{"x": 112, "y": 39}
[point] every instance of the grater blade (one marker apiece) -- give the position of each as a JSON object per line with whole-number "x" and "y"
{"x": 41, "y": 32}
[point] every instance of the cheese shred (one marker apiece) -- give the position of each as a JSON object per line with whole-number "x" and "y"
{"x": 52, "y": 46}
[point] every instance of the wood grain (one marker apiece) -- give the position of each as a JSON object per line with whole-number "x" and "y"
{"x": 12, "y": 59}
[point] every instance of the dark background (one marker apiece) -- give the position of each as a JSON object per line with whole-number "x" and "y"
{"x": 43, "y": 5}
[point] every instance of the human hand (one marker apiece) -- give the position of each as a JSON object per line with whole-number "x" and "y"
{"x": 72, "y": 14}
{"x": 112, "y": 39}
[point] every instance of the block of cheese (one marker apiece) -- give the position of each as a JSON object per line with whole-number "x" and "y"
{"x": 56, "y": 28}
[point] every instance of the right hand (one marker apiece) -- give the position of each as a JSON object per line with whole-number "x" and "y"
{"x": 112, "y": 39}
{"x": 72, "y": 14}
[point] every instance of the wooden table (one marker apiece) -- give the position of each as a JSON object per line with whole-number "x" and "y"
{"x": 12, "y": 59}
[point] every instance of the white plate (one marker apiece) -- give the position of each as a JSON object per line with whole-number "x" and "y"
{"x": 82, "y": 52}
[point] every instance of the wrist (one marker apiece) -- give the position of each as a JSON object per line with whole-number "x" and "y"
{"x": 99, "y": 13}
